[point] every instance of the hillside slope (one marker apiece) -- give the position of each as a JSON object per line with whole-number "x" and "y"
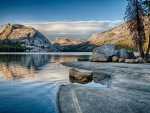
{"x": 119, "y": 35}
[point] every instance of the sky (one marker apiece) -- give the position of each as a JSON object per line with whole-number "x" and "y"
{"x": 64, "y": 18}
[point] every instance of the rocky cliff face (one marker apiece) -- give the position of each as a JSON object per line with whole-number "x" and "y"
{"x": 67, "y": 41}
{"x": 27, "y": 37}
{"x": 113, "y": 35}
{"x": 66, "y": 44}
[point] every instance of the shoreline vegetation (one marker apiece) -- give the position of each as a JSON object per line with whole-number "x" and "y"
{"x": 11, "y": 48}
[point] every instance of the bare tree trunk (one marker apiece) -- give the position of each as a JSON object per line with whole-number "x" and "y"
{"x": 139, "y": 25}
{"x": 140, "y": 44}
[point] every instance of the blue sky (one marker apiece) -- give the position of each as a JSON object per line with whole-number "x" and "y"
{"x": 64, "y": 18}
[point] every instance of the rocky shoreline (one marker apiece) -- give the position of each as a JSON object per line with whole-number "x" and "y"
{"x": 128, "y": 92}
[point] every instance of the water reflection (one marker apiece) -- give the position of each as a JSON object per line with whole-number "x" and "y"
{"x": 21, "y": 66}
{"x": 101, "y": 78}
{"x": 73, "y": 80}
{"x": 25, "y": 65}
{"x": 30, "y": 82}
{"x": 10, "y": 71}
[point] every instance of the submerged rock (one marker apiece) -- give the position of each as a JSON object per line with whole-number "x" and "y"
{"x": 103, "y": 53}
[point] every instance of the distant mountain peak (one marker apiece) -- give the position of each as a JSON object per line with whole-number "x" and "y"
{"x": 27, "y": 37}
{"x": 67, "y": 41}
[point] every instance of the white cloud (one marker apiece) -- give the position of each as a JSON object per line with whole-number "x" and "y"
{"x": 76, "y": 29}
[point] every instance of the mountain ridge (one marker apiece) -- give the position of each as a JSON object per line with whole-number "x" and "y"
{"x": 25, "y": 37}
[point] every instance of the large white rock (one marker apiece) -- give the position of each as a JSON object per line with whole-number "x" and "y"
{"x": 103, "y": 53}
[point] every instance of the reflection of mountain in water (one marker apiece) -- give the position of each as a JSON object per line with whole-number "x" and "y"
{"x": 34, "y": 60}
{"x": 62, "y": 58}
{"x": 21, "y": 66}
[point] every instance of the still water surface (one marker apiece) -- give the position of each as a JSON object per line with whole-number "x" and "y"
{"x": 30, "y": 82}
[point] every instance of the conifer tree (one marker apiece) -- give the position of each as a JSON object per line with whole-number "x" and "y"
{"x": 134, "y": 13}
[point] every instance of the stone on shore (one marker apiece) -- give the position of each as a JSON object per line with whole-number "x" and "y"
{"x": 82, "y": 59}
{"x": 140, "y": 59}
{"x": 115, "y": 59}
{"x": 123, "y": 53}
{"x": 121, "y": 60}
{"x": 74, "y": 73}
{"x": 103, "y": 53}
{"x": 130, "y": 61}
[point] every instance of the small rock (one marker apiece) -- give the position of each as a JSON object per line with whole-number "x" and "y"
{"x": 82, "y": 59}
{"x": 140, "y": 59}
{"x": 129, "y": 60}
{"x": 121, "y": 59}
{"x": 144, "y": 61}
{"x": 114, "y": 59}
{"x": 136, "y": 61}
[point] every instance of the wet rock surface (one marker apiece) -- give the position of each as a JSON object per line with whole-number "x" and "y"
{"x": 128, "y": 92}
{"x": 74, "y": 73}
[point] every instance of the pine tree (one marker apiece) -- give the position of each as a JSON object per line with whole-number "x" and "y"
{"x": 134, "y": 13}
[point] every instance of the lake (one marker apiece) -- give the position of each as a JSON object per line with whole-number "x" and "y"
{"x": 30, "y": 82}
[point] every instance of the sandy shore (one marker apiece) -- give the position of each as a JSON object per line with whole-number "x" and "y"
{"x": 129, "y": 91}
